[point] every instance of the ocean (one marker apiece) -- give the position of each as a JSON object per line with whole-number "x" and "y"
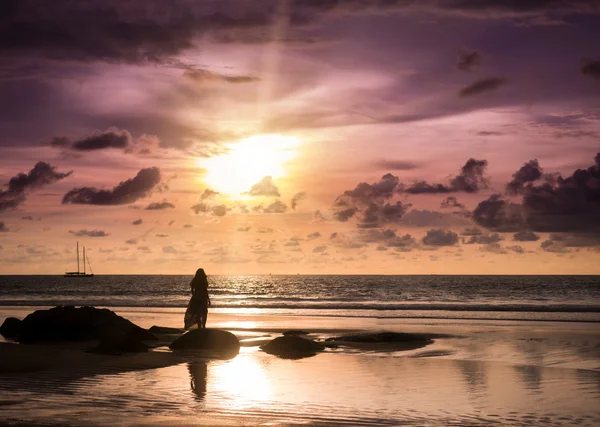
{"x": 513, "y": 351}
{"x": 567, "y": 298}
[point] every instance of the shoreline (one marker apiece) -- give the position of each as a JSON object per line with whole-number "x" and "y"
{"x": 468, "y": 366}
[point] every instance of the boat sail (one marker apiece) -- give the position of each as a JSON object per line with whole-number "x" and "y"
{"x": 83, "y": 273}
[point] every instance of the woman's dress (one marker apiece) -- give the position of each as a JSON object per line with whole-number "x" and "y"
{"x": 196, "y": 308}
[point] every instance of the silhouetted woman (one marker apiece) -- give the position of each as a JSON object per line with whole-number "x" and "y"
{"x": 197, "y": 309}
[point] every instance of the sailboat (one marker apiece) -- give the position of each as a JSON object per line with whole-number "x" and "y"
{"x": 79, "y": 273}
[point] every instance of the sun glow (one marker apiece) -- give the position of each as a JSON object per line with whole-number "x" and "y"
{"x": 248, "y": 161}
{"x": 243, "y": 379}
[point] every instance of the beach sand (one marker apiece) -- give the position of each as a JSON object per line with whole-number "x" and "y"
{"x": 481, "y": 373}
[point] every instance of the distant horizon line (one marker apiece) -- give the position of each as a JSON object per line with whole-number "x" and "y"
{"x": 324, "y": 274}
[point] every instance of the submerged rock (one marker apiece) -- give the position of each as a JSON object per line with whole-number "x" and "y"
{"x": 11, "y": 328}
{"x": 384, "y": 341}
{"x": 382, "y": 337}
{"x": 293, "y": 347}
{"x": 217, "y": 342}
{"x": 68, "y": 323}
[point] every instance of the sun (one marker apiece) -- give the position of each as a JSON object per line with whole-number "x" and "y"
{"x": 248, "y": 161}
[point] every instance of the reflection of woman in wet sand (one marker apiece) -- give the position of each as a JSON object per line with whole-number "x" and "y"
{"x": 198, "y": 374}
{"x": 197, "y": 309}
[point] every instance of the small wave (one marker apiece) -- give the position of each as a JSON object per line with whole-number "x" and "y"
{"x": 316, "y": 305}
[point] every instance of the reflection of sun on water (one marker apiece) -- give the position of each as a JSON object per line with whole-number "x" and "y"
{"x": 248, "y": 161}
{"x": 243, "y": 379}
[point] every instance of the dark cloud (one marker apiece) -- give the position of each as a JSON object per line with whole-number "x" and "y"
{"x": 122, "y": 31}
{"x": 27, "y": 218}
{"x": 344, "y": 215}
{"x": 368, "y": 202}
{"x": 365, "y": 193}
{"x": 219, "y": 210}
{"x": 451, "y": 202}
{"x": 473, "y": 231}
{"x": 396, "y": 165}
{"x": 439, "y": 237}
{"x": 427, "y": 218}
{"x": 517, "y": 249}
{"x": 557, "y": 204}
{"x": 206, "y": 76}
{"x": 118, "y": 139}
{"x": 127, "y": 31}
{"x": 471, "y": 179}
{"x": 276, "y": 207}
{"x": 298, "y": 197}
{"x": 480, "y": 86}
{"x": 378, "y": 215}
{"x": 525, "y": 236}
{"x": 319, "y": 249}
{"x": 137, "y": 221}
{"x": 162, "y": 235}
{"x": 208, "y": 194}
{"x": 499, "y": 214}
{"x": 244, "y": 229}
{"x": 314, "y": 235}
{"x": 216, "y": 210}
{"x": 264, "y": 230}
{"x": 566, "y": 204}
{"x": 576, "y": 240}
{"x": 89, "y": 233}
{"x": 126, "y": 192}
{"x": 529, "y": 172}
{"x": 265, "y": 187}
{"x": 553, "y": 246}
{"x": 468, "y": 61}
{"x": 535, "y": 12}
{"x": 155, "y": 206}
{"x": 484, "y": 239}
{"x": 3, "y": 227}
{"x": 591, "y": 69}
{"x": 131, "y": 241}
{"x": 388, "y": 238}
{"x": 19, "y": 185}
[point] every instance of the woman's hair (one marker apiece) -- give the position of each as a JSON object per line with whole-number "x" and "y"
{"x": 200, "y": 273}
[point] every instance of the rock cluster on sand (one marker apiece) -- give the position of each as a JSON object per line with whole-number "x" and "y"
{"x": 216, "y": 342}
{"x": 68, "y": 323}
{"x": 293, "y": 347}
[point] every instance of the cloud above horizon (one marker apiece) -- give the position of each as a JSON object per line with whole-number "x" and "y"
{"x": 125, "y": 192}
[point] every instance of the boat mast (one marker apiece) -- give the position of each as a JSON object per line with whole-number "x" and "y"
{"x": 77, "y": 257}
{"x": 84, "y": 260}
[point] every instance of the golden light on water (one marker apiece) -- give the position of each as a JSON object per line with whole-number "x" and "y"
{"x": 243, "y": 379}
{"x": 248, "y": 161}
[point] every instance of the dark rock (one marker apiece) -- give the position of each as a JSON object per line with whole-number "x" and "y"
{"x": 11, "y": 328}
{"x": 217, "y": 342}
{"x": 295, "y": 332}
{"x": 293, "y": 347}
{"x": 117, "y": 342}
{"x": 382, "y": 337}
{"x": 68, "y": 323}
{"x": 162, "y": 330}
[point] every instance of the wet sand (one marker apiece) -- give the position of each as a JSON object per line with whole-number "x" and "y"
{"x": 480, "y": 373}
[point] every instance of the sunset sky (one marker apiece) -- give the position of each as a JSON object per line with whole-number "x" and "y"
{"x": 306, "y": 136}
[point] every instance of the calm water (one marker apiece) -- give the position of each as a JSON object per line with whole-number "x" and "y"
{"x": 527, "y": 373}
{"x": 493, "y": 370}
{"x": 508, "y": 297}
